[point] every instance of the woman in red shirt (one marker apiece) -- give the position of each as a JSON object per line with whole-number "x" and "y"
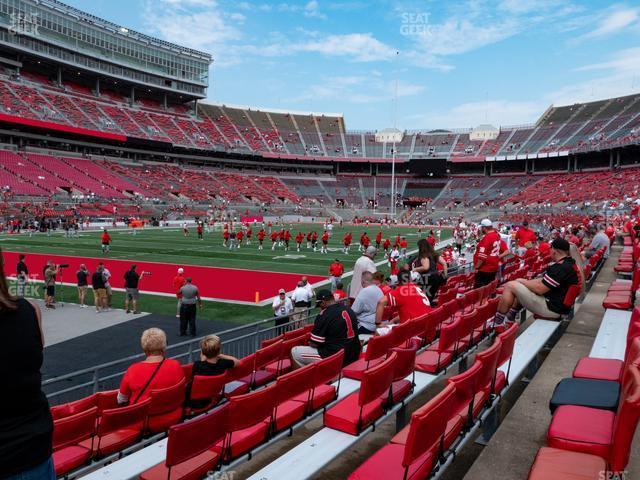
{"x": 153, "y": 373}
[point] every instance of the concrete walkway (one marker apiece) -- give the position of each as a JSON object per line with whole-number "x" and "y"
{"x": 510, "y": 453}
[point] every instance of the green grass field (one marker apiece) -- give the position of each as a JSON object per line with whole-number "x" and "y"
{"x": 171, "y": 246}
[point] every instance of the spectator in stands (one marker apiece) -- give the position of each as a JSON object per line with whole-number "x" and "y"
{"x": 153, "y": 373}
{"x": 211, "y": 363}
{"x": 132, "y": 294}
{"x": 334, "y": 329}
{"x": 549, "y": 296}
{"x": 22, "y": 275}
{"x": 543, "y": 247}
{"x": 99, "y": 289}
{"x": 363, "y": 264}
{"x": 599, "y": 240}
{"x": 25, "y": 426}
{"x": 188, "y": 310}
{"x": 407, "y": 298}
{"x": 366, "y": 303}
{"x": 301, "y": 299}
{"x": 339, "y": 293}
{"x": 524, "y": 235}
{"x": 487, "y": 255}
{"x": 282, "y": 309}
{"x": 178, "y": 282}
{"x": 336, "y": 269}
{"x": 50, "y": 274}
{"x": 82, "y": 276}
{"x": 426, "y": 265}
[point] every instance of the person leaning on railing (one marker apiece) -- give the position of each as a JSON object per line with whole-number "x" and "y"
{"x": 153, "y": 373}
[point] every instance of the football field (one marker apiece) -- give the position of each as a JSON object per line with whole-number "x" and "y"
{"x": 242, "y": 280}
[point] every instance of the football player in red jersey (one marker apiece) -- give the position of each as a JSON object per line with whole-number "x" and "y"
{"x": 249, "y": 233}
{"x": 386, "y": 245}
{"x": 325, "y": 242}
{"x": 287, "y": 238}
{"x": 314, "y": 240}
{"x": 347, "y": 242}
{"x": 378, "y": 239}
{"x": 239, "y": 237}
{"x": 274, "y": 239}
{"x": 299, "y": 239}
{"x": 261, "y": 235}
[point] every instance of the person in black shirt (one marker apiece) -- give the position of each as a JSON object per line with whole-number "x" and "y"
{"x": 99, "y": 289}
{"x": 131, "y": 279}
{"x": 334, "y": 329}
{"x": 211, "y": 363}
{"x": 549, "y": 296}
{"x": 83, "y": 282}
{"x": 26, "y": 426}
{"x": 22, "y": 274}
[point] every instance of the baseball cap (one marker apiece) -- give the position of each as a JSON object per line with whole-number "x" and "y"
{"x": 560, "y": 244}
{"x": 323, "y": 295}
{"x": 525, "y": 223}
{"x": 486, "y": 223}
{"x": 282, "y": 290}
{"x": 371, "y": 250}
{"x": 181, "y": 270}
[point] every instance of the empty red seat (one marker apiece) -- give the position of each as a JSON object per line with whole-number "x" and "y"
{"x": 556, "y": 464}
{"x": 440, "y": 355}
{"x": 600, "y": 432}
{"x": 71, "y": 408}
{"x": 618, "y": 301}
{"x": 419, "y": 448}
{"x": 264, "y": 357}
{"x": 166, "y": 407}
{"x": 375, "y": 354}
{"x": 68, "y": 435}
{"x": 489, "y": 361}
{"x": 507, "y": 344}
{"x": 283, "y": 364}
{"x": 401, "y": 387}
{"x": 466, "y": 384}
{"x": 190, "y": 453}
{"x": 323, "y": 373}
{"x": 360, "y": 409}
{"x": 249, "y": 421}
{"x": 297, "y": 384}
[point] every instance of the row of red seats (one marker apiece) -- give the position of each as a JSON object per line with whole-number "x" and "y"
{"x": 418, "y": 449}
{"x": 594, "y": 441}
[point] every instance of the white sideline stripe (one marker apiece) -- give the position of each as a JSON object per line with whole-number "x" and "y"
{"x": 309, "y": 457}
{"x": 611, "y": 340}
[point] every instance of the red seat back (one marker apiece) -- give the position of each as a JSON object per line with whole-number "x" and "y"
{"x": 208, "y": 388}
{"x": 626, "y": 420}
{"x": 248, "y": 410}
{"x": 450, "y": 309}
{"x": 187, "y": 370}
{"x": 190, "y": 439}
{"x": 287, "y": 345}
{"x": 166, "y": 400}
{"x": 378, "y": 346}
{"x": 376, "y": 381}
{"x": 449, "y": 335}
{"x": 244, "y": 369}
{"x": 432, "y": 324}
{"x": 271, "y": 341}
{"x": 295, "y": 333}
{"x": 107, "y": 400}
{"x": 328, "y": 369}
{"x": 131, "y": 417}
{"x": 75, "y": 428}
{"x": 508, "y": 340}
{"x": 71, "y": 408}
{"x": 402, "y": 332}
{"x": 268, "y": 355}
{"x": 467, "y": 324}
{"x": 294, "y": 383}
{"x": 406, "y": 360}
{"x": 466, "y": 382}
{"x": 428, "y": 425}
{"x": 489, "y": 360}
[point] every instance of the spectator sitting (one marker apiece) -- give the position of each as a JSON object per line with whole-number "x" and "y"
{"x": 333, "y": 330}
{"x": 211, "y": 363}
{"x": 153, "y": 373}
{"x": 549, "y": 296}
{"x": 365, "y": 305}
{"x": 339, "y": 293}
{"x": 409, "y": 300}
{"x": 598, "y": 241}
{"x": 531, "y": 251}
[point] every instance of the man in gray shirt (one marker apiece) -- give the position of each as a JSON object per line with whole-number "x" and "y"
{"x": 366, "y": 303}
{"x": 598, "y": 241}
{"x": 190, "y": 297}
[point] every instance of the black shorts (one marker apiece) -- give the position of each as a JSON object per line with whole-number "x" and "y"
{"x": 484, "y": 278}
{"x": 51, "y": 290}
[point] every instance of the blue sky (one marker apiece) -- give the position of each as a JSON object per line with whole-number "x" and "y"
{"x": 456, "y": 63}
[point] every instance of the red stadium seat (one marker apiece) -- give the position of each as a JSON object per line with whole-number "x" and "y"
{"x": 377, "y": 348}
{"x": 190, "y": 453}
{"x": 263, "y": 358}
{"x": 68, "y": 435}
{"x": 296, "y": 384}
{"x": 466, "y": 384}
{"x": 166, "y": 407}
{"x": 205, "y": 390}
{"x": 405, "y": 364}
{"x": 556, "y": 464}
{"x": 72, "y": 408}
{"x": 283, "y": 365}
{"x": 600, "y": 432}
{"x": 507, "y": 343}
{"x": 239, "y": 377}
{"x": 489, "y": 360}
{"x": 360, "y": 409}
{"x": 325, "y": 371}
{"x": 440, "y": 354}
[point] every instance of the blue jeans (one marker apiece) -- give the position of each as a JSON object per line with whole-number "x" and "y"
{"x": 44, "y": 471}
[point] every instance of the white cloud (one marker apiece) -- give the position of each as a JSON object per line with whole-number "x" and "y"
{"x": 363, "y": 47}
{"x": 615, "y": 21}
{"x": 311, "y": 9}
{"x": 472, "y": 114}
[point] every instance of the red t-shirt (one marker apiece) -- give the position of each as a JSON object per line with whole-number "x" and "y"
{"x": 299, "y": 238}
{"x": 339, "y": 295}
{"x": 410, "y": 301}
{"x": 178, "y": 283}
{"x": 403, "y": 244}
{"x": 261, "y": 234}
{"x": 325, "y": 237}
{"x": 336, "y": 269}
{"x": 138, "y": 375}
{"x": 105, "y": 238}
{"x": 274, "y": 236}
{"x": 524, "y": 235}
{"x": 544, "y": 248}
{"x": 488, "y": 251}
{"x": 379, "y": 237}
